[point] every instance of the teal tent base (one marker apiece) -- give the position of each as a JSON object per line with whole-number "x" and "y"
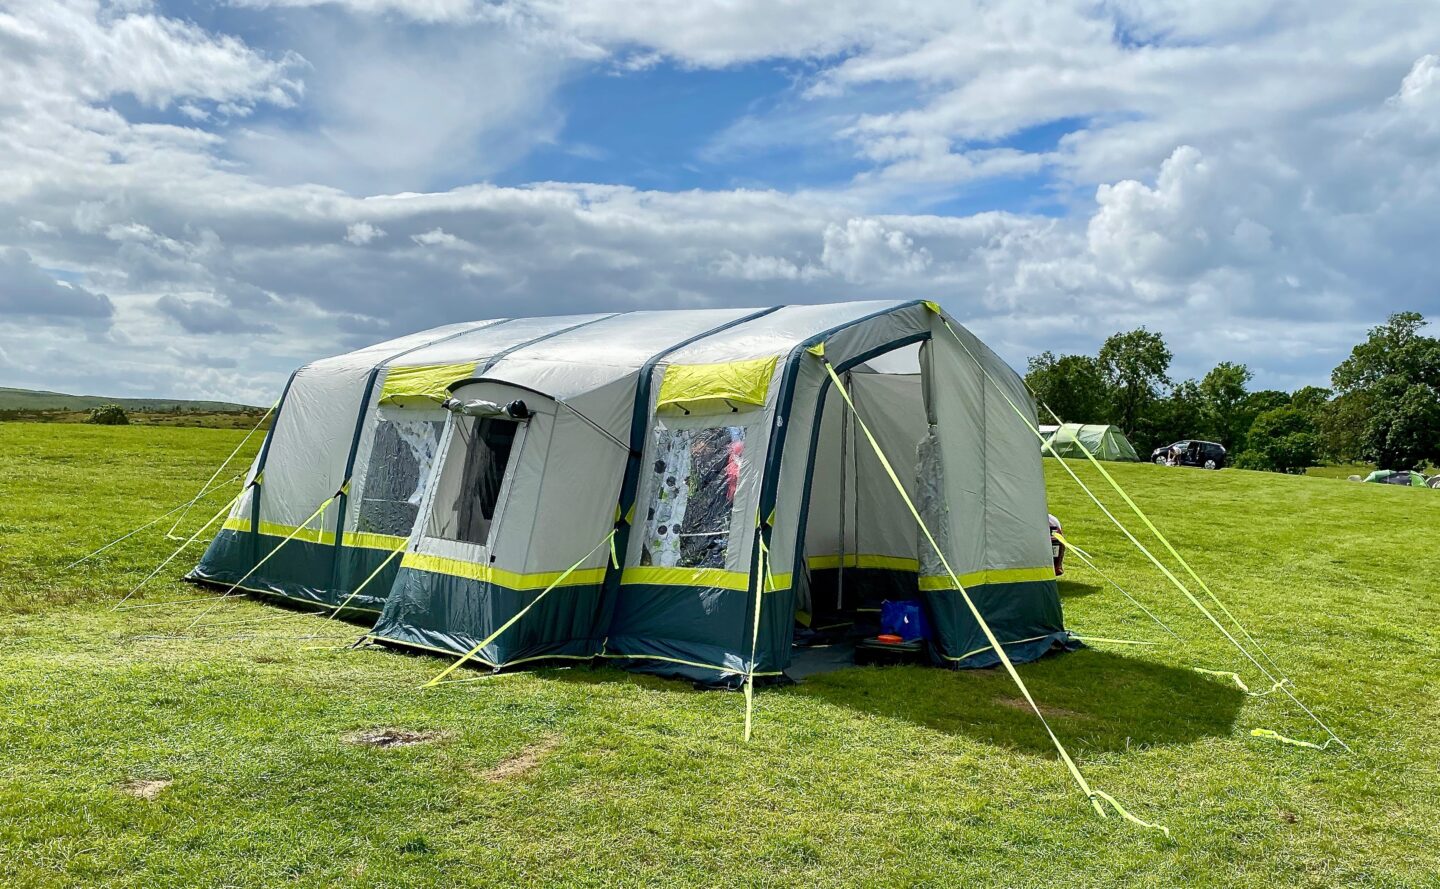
{"x": 1020, "y": 652}
{"x": 306, "y": 567}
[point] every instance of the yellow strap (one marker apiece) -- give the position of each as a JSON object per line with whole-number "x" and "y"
{"x": 1093, "y": 796}
{"x": 521, "y": 613}
{"x": 364, "y": 583}
{"x": 1234, "y": 677}
{"x": 1170, "y": 575}
{"x": 763, "y": 577}
{"x": 191, "y": 539}
{"x": 320, "y": 509}
{"x": 1240, "y": 684}
{"x": 1124, "y": 813}
{"x": 614, "y": 556}
{"x": 1276, "y": 736}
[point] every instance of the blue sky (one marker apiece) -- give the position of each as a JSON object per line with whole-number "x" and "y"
{"x": 206, "y": 194}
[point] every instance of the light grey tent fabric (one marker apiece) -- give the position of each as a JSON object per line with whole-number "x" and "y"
{"x": 611, "y": 431}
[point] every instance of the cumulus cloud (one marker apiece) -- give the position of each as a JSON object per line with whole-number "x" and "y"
{"x": 26, "y": 289}
{"x": 362, "y": 233}
{"x": 1256, "y": 181}
{"x": 206, "y": 316}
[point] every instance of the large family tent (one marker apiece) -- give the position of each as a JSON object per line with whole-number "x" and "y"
{"x": 1103, "y": 442}
{"x": 670, "y": 490}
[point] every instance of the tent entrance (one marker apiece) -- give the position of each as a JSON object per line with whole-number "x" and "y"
{"x": 860, "y": 541}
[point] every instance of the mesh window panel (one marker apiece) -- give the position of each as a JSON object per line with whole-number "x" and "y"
{"x": 695, "y": 474}
{"x": 400, "y": 463}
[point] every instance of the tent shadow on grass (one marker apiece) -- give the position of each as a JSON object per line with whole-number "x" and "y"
{"x": 1073, "y": 588}
{"x": 1094, "y": 700}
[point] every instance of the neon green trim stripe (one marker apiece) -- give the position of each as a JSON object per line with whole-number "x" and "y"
{"x": 429, "y": 381}
{"x": 369, "y": 540}
{"x": 864, "y": 560}
{"x": 931, "y": 583}
{"x": 500, "y": 577}
{"x": 717, "y": 578}
{"x": 746, "y": 382}
{"x": 357, "y": 539}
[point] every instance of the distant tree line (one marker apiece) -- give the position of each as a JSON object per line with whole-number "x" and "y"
{"x": 1383, "y": 406}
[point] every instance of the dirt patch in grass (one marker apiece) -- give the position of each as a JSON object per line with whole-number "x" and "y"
{"x": 521, "y": 763}
{"x": 386, "y": 738}
{"x": 1022, "y": 704}
{"x": 145, "y": 789}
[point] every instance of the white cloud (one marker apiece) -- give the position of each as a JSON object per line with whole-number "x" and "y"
{"x": 1255, "y": 180}
{"x": 362, "y": 233}
{"x": 865, "y": 250}
{"x": 438, "y": 237}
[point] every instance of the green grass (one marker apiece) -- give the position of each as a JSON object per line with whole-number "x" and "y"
{"x": 580, "y": 777}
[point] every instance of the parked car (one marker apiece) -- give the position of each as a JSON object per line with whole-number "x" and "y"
{"x": 1057, "y": 549}
{"x": 1205, "y": 454}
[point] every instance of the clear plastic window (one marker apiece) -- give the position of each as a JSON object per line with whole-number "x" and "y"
{"x": 400, "y": 461}
{"x": 694, "y": 476}
{"x": 481, "y": 447}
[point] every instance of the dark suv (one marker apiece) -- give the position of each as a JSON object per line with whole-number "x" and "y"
{"x": 1205, "y": 454}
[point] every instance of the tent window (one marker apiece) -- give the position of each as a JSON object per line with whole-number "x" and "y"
{"x": 694, "y": 477}
{"x": 401, "y": 457}
{"x": 488, "y": 443}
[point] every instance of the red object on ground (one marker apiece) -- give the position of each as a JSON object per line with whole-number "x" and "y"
{"x": 889, "y": 639}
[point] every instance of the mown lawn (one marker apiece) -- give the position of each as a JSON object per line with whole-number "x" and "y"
{"x": 580, "y": 777}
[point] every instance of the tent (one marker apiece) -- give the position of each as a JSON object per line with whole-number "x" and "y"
{"x": 1403, "y": 477}
{"x": 667, "y": 490}
{"x": 1104, "y": 442}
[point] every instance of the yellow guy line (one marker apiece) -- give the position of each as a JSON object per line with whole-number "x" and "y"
{"x": 1047, "y": 443}
{"x": 1094, "y": 796}
{"x": 1084, "y": 557}
{"x": 763, "y": 577}
{"x": 318, "y": 510}
{"x": 156, "y": 520}
{"x": 388, "y": 559}
{"x": 213, "y": 519}
{"x": 511, "y": 622}
{"x": 221, "y": 468}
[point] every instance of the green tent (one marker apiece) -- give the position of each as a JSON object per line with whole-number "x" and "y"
{"x": 670, "y": 491}
{"x": 1104, "y": 442}
{"x": 1404, "y": 477}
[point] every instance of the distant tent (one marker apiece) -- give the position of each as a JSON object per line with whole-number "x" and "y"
{"x": 1104, "y": 442}
{"x": 1404, "y": 477}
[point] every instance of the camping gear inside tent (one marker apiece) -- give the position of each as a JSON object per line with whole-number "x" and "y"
{"x": 672, "y": 491}
{"x": 1403, "y": 477}
{"x": 1103, "y": 442}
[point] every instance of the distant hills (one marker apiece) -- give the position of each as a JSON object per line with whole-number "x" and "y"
{"x": 39, "y": 400}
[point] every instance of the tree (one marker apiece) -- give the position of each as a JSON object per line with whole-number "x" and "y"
{"x": 1182, "y": 415}
{"x": 1225, "y": 395}
{"x": 1072, "y": 385}
{"x": 1342, "y": 428}
{"x": 1310, "y": 400}
{"x": 1393, "y": 381}
{"x": 109, "y": 415}
{"x": 1135, "y": 365}
{"x": 1282, "y": 439}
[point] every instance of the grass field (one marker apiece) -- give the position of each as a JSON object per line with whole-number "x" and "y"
{"x": 580, "y": 777}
